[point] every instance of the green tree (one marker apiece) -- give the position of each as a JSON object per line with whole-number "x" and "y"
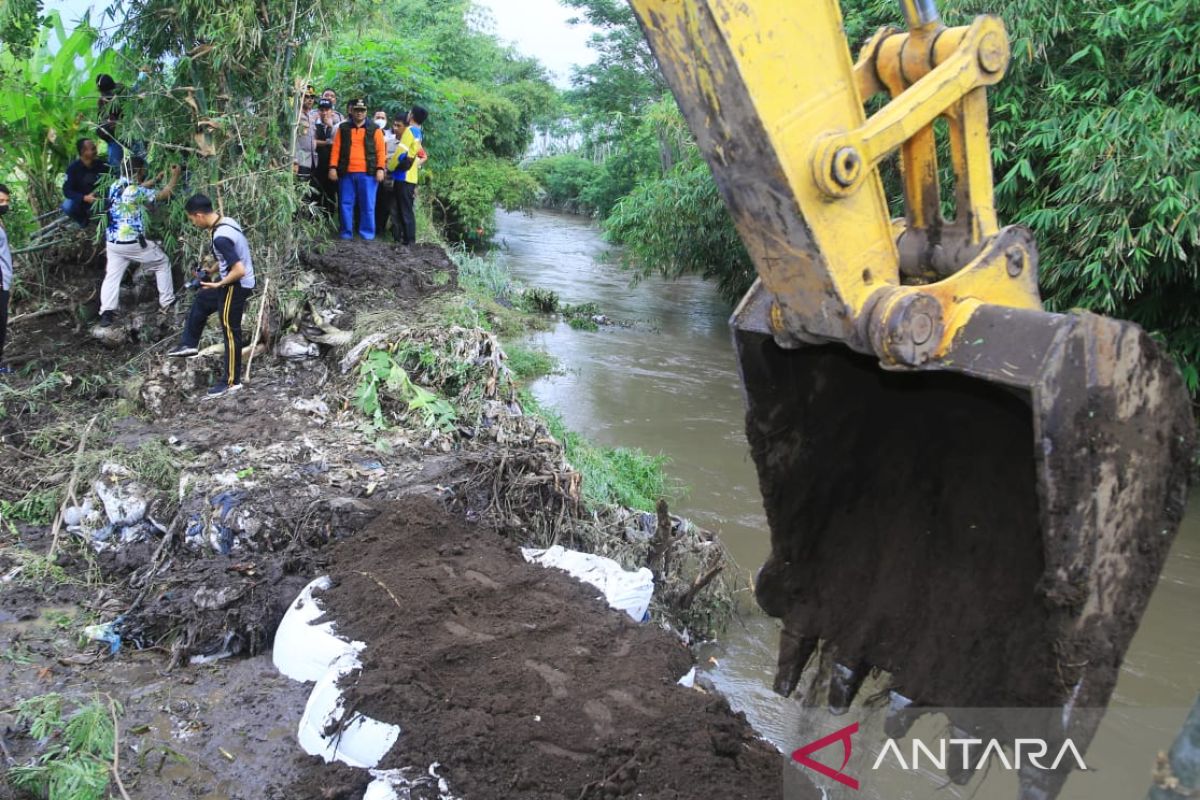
{"x": 483, "y": 101}
{"x": 219, "y": 94}
{"x": 624, "y": 77}
{"x": 563, "y": 180}
{"x": 677, "y": 225}
{"x": 20, "y": 21}
{"x": 47, "y": 101}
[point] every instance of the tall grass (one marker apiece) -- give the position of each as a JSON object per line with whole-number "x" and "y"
{"x": 486, "y": 274}
{"x": 624, "y": 476}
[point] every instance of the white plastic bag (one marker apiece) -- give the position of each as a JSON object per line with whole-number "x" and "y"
{"x": 625, "y": 591}
{"x": 303, "y": 651}
{"x": 398, "y": 784}
{"x": 362, "y": 741}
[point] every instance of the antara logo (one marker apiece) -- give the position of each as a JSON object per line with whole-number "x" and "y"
{"x": 801, "y": 756}
{"x": 1034, "y": 752}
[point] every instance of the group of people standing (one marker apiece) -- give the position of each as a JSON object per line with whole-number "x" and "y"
{"x": 365, "y": 171}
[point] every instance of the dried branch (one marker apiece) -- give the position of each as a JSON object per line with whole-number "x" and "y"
{"x": 69, "y": 497}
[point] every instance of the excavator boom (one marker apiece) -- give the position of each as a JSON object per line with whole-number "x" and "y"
{"x": 963, "y": 490}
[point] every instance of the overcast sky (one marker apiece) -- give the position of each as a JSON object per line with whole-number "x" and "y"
{"x": 537, "y": 27}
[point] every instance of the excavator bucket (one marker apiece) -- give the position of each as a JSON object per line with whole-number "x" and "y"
{"x": 988, "y": 532}
{"x": 963, "y": 490}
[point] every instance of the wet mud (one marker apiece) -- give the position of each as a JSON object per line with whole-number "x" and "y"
{"x": 276, "y": 485}
{"x": 519, "y": 680}
{"x": 410, "y": 272}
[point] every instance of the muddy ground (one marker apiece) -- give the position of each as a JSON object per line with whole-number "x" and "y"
{"x": 513, "y": 677}
{"x": 518, "y": 680}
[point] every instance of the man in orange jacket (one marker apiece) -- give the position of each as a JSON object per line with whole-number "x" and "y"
{"x": 358, "y": 164}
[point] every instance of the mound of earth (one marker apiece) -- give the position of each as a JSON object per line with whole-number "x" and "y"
{"x": 410, "y": 272}
{"x": 519, "y": 680}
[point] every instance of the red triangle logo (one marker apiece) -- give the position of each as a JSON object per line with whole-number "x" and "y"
{"x": 801, "y": 756}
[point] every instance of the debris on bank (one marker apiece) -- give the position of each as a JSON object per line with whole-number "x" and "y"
{"x": 371, "y": 402}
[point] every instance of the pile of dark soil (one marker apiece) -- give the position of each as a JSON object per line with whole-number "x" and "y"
{"x": 410, "y": 272}
{"x": 519, "y": 680}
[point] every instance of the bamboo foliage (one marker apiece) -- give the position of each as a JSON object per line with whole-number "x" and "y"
{"x": 46, "y": 101}
{"x": 218, "y": 93}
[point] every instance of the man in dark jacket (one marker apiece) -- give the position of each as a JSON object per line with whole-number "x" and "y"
{"x": 357, "y": 164}
{"x": 324, "y": 127}
{"x": 79, "y": 189}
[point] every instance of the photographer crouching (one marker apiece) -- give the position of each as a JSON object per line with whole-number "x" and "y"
{"x": 224, "y": 293}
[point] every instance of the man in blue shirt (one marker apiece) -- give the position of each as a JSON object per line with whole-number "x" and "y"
{"x": 224, "y": 294}
{"x": 126, "y": 242}
{"x": 6, "y": 273}
{"x": 79, "y": 189}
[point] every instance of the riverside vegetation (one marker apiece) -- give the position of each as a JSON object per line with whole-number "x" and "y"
{"x": 435, "y": 398}
{"x": 1094, "y": 147}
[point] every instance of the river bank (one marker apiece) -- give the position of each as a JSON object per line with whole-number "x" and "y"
{"x": 231, "y": 506}
{"x": 670, "y": 384}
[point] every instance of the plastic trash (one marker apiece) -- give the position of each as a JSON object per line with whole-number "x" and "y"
{"x": 626, "y": 591}
{"x": 107, "y": 633}
{"x": 361, "y": 741}
{"x": 294, "y": 347}
{"x": 303, "y": 651}
{"x": 226, "y": 650}
{"x": 398, "y": 784}
{"x": 124, "y": 499}
{"x": 688, "y": 681}
{"x": 313, "y": 405}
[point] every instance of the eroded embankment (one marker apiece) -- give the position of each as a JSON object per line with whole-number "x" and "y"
{"x": 387, "y": 432}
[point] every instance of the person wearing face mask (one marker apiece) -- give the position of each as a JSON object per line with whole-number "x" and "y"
{"x": 357, "y": 164}
{"x": 6, "y": 273}
{"x": 383, "y": 197}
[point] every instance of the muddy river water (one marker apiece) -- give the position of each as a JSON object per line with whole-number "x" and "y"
{"x": 669, "y": 385}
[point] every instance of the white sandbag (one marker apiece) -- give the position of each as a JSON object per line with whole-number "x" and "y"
{"x": 362, "y": 741}
{"x": 625, "y": 591}
{"x": 398, "y": 784}
{"x": 304, "y": 651}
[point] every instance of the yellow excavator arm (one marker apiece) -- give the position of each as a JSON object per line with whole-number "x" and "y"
{"x": 778, "y": 108}
{"x": 963, "y": 490}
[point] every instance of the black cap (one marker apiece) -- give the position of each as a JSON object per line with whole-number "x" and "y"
{"x": 324, "y": 102}
{"x": 358, "y": 104}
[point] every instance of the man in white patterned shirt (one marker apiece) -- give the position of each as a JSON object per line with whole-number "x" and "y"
{"x": 126, "y": 242}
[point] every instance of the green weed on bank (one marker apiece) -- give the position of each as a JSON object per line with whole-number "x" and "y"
{"x": 528, "y": 364}
{"x": 77, "y": 756}
{"x": 624, "y": 476}
{"x": 611, "y": 475}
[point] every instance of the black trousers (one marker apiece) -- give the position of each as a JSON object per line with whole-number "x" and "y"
{"x": 228, "y": 304}
{"x": 405, "y": 195}
{"x": 4, "y": 294}
{"x": 326, "y": 190}
{"x": 385, "y": 199}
